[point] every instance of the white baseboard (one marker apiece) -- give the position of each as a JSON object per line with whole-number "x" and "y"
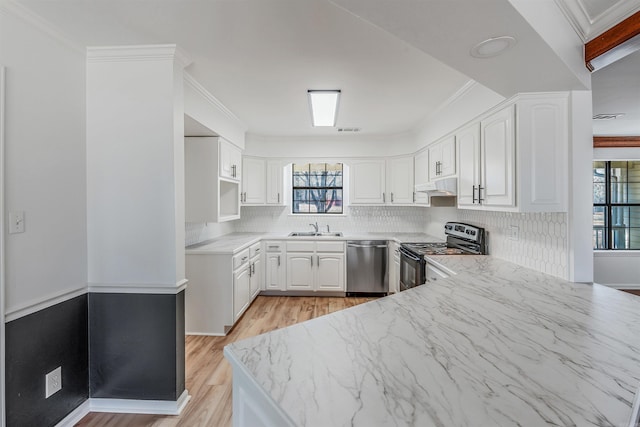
{"x": 126, "y": 406}
{"x": 73, "y": 418}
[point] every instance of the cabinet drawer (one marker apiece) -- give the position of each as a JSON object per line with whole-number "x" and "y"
{"x": 330, "y": 246}
{"x": 273, "y": 246}
{"x": 240, "y": 258}
{"x": 301, "y": 246}
{"x": 255, "y": 250}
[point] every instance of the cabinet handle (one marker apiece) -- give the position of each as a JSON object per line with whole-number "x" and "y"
{"x": 311, "y": 258}
{"x": 278, "y": 197}
{"x": 480, "y": 199}
{"x": 249, "y": 270}
{"x": 274, "y": 247}
{"x": 414, "y": 197}
{"x": 474, "y": 195}
{"x": 233, "y": 171}
{"x": 384, "y": 198}
{"x": 391, "y": 197}
{"x": 245, "y": 197}
{"x": 257, "y": 250}
{"x": 253, "y": 268}
{"x": 278, "y": 260}
{"x": 318, "y": 259}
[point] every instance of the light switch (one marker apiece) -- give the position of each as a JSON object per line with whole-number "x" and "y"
{"x": 16, "y": 222}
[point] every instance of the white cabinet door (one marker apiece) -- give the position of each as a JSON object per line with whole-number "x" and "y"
{"x": 367, "y": 179}
{"x": 253, "y": 182}
{"x": 300, "y": 271}
{"x": 256, "y": 277}
{"x": 330, "y": 272}
{"x": 442, "y": 158}
{"x": 274, "y": 272}
{"x": 230, "y": 160}
{"x": 468, "y": 164}
{"x": 497, "y": 154}
{"x": 274, "y": 182}
{"x": 394, "y": 266}
{"x": 421, "y": 176}
{"x": 241, "y": 291}
{"x": 400, "y": 182}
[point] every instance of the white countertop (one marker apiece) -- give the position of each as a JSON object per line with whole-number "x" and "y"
{"x": 235, "y": 242}
{"x": 494, "y": 345}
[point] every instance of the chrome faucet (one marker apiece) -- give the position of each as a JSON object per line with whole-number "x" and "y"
{"x": 315, "y": 226}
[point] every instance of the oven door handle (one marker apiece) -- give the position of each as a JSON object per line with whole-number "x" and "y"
{"x": 406, "y": 253}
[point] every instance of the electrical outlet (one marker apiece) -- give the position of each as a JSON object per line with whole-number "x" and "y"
{"x": 53, "y": 382}
{"x": 16, "y": 222}
{"x": 514, "y": 232}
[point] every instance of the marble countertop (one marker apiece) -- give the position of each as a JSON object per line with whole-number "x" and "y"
{"x": 235, "y": 242}
{"x": 494, "y": 345}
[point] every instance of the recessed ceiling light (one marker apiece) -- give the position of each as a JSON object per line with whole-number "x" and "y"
{"x": 492, "y": 47}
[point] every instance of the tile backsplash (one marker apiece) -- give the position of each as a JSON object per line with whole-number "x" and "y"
{"x": 541, "y": 243}
{"x": 357, "y": 219}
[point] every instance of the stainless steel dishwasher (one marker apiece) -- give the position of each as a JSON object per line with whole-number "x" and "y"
{"x": 367, "y": 267}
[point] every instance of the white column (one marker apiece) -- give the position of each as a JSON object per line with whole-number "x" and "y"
{"x": 135, "y": 168}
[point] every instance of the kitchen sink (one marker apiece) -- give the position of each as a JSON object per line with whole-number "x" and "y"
{"x": 314, "y": 234}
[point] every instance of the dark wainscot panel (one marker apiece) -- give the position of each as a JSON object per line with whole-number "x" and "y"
{"x": 137, "y": 346}
{"x": 37, "y": 344}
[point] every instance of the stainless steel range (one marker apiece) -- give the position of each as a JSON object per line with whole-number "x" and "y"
{"x": 462, "y": 239}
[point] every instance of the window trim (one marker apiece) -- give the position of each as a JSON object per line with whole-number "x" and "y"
{"x": 308, "y": 188}
{"x": 608, "y": 207}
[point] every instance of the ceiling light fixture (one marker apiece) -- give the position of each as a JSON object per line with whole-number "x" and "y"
{"x": 492, "y": 47}
{"x": 324, "y": 107}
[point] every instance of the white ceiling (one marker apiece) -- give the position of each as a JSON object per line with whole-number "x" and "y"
{"x": 395, "y": 61}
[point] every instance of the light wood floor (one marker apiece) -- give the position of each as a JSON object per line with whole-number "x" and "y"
{"x": 209, "y": 374}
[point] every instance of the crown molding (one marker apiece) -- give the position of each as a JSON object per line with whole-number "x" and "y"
{"x": 588, "y": 28}
{"x": 13, "y": 7}
{"x": 190, "y": 81}
{"x": 159, "y": 52}
{"x": 457, "y": 95}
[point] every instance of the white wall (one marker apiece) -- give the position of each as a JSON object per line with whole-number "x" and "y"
{"x": 620, "y": 269}
{"x": 332, "y": 146}
{"x": 45, "y": 165}
{"x": 135, "y": 166}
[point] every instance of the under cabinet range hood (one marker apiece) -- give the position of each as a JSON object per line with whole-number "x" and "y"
{"x": 445, "y": 187}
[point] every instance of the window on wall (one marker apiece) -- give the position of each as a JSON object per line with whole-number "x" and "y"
{"x": 317, "y": 188}
{"x": 616, "y": 205}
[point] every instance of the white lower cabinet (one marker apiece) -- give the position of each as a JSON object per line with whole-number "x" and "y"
{"x": 275, "y": 266}
{"x": 241, "y": 291}
{"x": 315, "y": 266}
{"x": 394, "y": 267}
{"x": 221, "y": 287}
{"x": 255, "y": 270}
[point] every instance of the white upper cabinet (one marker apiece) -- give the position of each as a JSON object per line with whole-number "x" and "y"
{"x": 468, "y": 140}
{"x": 253, "y": 183}
{"x": 421, "y": 176}
{"x": 514, "y": 159}
{"x": 275, "y": 189}
{"x": 497, "y": 159}
{"x": 400, "y": 181}
{"x": 442, "y": 158}
{"x": 230, "y": 160}
{"x": 261, "y": 181}
{"x": 210, "y": 196}
{"x": 367, "y": 182}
